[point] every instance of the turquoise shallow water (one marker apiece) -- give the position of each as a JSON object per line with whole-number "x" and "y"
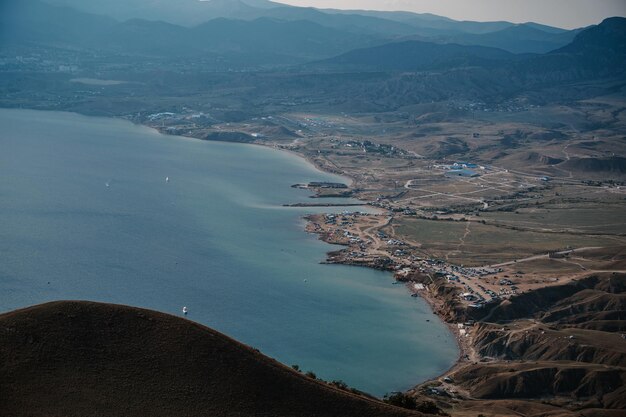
{"x": 214, "y": 238}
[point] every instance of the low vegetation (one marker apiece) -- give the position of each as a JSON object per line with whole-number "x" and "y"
{"x": 78, "y": 358}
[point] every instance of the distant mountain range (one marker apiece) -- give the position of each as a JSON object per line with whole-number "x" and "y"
{"x": 263, "y": 37}
{"x": 414, "y": 56}
{"x": 193, "y": 12}
{"x": 599, "y": 49}
{"x": 596, "y": 52}
{"x": 412, "y": 72}
{"x": 267, "y": 34}
{"x": 262, "y": 41}
{"x": 383, "y": 26}
{"x": 522, "y": 38}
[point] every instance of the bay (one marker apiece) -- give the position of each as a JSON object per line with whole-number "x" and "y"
{"x": 86, "y": 213}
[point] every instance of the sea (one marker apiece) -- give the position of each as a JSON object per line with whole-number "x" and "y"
{"x": 105, "y": 210}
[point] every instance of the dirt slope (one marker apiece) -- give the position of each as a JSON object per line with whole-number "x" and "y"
{"x": 563, "y": 343}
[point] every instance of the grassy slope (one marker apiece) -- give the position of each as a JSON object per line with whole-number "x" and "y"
{"x": 83, "y": 358}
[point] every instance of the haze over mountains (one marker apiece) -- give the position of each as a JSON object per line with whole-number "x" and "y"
{"x": 270, "y": 33}
{"x": 347, "y": 59}
{"x": 598, "y": 48}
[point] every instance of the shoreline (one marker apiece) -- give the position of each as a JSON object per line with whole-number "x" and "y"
{"x": 493, "y": 365}
{"x": 309, "y": 161}
{"x": 465, "y": 345}
{"x": 465, "y": 348}
{"x": 434, "y": 303}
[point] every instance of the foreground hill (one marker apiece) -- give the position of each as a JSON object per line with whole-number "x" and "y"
{"x": 82, "y": 358}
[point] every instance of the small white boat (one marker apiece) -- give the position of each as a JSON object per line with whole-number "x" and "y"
{"x": 107, "y": 184}
{"x": 185, "y": 310}
{"x": 167, "y": 179}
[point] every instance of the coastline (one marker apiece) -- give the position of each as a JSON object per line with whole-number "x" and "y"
{"x": 435, "y": 303}
{"x": 465, "y": 344}
{"x": 495, "y": 366}
{"x": 385, "y": 371}
{"x": 311, "y": 162}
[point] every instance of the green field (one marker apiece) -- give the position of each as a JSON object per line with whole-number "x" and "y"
{"x": 474, "y": 243}
{"x": 590, "y": 218}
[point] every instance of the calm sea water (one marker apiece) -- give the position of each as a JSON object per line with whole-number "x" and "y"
{"x": 215, "y": 238}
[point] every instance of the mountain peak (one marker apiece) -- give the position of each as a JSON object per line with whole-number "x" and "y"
{"x": 610, "y": 35}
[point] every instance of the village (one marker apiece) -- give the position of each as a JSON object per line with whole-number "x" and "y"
{"x": 367, "y": 245}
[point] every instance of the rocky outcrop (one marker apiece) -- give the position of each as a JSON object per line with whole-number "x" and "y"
{"x": 556, "y": 342}
{"x": 612, "y": 165}
{"x": 543, "y": 379}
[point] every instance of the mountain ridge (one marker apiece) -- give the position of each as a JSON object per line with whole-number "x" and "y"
{"x": 414, "y": 56}
{"x": 343, "y": 31}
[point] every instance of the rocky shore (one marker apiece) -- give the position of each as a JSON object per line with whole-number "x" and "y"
{"x": 499, "y": 367}
{"x": 557, "y": 348}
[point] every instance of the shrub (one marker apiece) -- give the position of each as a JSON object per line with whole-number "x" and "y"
{"x": 428, "y": 407}
{"x": 400, "y": 400}
{"x": 340, "y": 384}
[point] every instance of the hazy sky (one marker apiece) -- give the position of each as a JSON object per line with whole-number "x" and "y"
{"x": 562, "y": 13}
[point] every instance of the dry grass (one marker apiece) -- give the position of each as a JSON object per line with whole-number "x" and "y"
{"x": 474, "y": 243}
{"x": 81, "y": 358}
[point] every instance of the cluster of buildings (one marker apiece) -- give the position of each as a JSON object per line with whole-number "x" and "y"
{"x": 508, "y": 106}
{"x": 463, "y": 169}
{"x": 406, "y": 265}
{"x": 367, "y": 146}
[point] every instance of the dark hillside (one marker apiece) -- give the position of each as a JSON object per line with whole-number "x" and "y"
{"x": 596, "y": 52}
{"x": 415, "y": 55}
{"x": 39, "y": 22}
{"x": 523, "y": 38}
{"x": 608, "y": 36}
{"x": 82, "y": 358}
